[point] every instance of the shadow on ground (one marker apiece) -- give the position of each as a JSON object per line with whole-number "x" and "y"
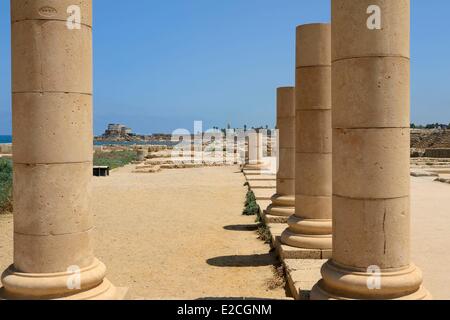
{"x": 237, "y": 299}
{"x": 242, "y": 227}
{"x": 253, "y": 260}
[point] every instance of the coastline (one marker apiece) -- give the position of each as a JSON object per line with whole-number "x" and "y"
{"x": 7, "y": 139}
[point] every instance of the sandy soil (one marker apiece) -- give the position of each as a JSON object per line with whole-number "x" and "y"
{"x": 164, "y": 236}
{"x": 431, "y": 234}
{"x": 177, "y": 234}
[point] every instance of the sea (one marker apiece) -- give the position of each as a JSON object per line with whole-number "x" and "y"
{"x": 5, "y": 139}
{"x": 8, "y": 139}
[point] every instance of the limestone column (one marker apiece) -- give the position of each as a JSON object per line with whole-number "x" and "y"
{"x": 52, "y": 130}
{"x": 310, "y": 227}
{"x": 255, "y": 147}
{"x": 283, "y": 202}
{"x": 260, "y": 147}
{"x": 371, "y": 150}
{"x": 246, "y": 150}
{"x": 141, "y": 154}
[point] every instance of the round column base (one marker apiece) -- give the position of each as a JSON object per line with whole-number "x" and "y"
{"x": 308, "y": 233}
{"x": 306, "y": 241}
{"x": 279, "y": 211}
{"x": 343, "y": 283}
{"x": 255, "y": 166}
{"x": 86, "y": 284}
{"x": 282, "y": 206}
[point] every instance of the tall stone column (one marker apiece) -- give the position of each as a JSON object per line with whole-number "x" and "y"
{"x": 283, "y": 202}
{"x": 310, "y": 227}
{"x": 52, "y": 131}
{"x": 371, "y": 150}
{"x": 255, "y": 147}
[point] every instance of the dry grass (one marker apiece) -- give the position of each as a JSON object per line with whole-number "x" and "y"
{"x": 279, "y": 278}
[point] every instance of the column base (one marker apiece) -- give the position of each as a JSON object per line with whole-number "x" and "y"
{"x": 344, "y": 283}
{"x": 290, "y": 252}
{"x": 56, "y": 286}
{"x": 299, "y": 246}
{"x": 254, "y": 165}
{"x": 282, "y": 206}
{"x": 309, "y": 234}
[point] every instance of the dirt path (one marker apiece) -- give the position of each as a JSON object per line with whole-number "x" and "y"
{"x": 180, "y": 234}
{"x": 177, "y": 234}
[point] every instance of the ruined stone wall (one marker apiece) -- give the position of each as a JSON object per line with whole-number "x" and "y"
{"x": 437, "y": 153}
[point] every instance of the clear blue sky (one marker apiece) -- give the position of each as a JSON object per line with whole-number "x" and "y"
{"x": 160, "y": 65}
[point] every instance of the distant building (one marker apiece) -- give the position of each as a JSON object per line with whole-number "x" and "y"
{"x": 126, "y": 131}
{"x": 117, "y": 130}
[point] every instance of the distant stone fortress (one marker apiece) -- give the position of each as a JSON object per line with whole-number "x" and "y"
{"x": 120, "y": 132}
{"x": 421, "y": 139}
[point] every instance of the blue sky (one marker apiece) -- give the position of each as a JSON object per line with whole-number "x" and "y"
{"x": 160, "y": 65}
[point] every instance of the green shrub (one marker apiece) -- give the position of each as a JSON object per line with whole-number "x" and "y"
{"x": 251, "y": 207}
{"x": 250, "y": 198}
{"x": 251, "y": 210}
{"x": 114, "y": 159}
{"x": 5, "y": 186}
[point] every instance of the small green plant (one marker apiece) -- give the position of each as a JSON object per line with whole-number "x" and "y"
{"x": 259, "y": 219}
{"x": 250, "y": 198}
{"x": 114, "y": 159}
{"x": 251, "y": 207}
{"x": 251, "y": 210}
{"x": 5, "y": 186}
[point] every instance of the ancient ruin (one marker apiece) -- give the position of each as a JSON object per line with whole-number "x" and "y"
{"x": 371, "y": 154}
{"x": 52, "y": 128}
{"x": 255, "y": 149}
{"x": 309, "y": 231}
{"x": 337, "y": 223}
{"x": 283, "y": 202}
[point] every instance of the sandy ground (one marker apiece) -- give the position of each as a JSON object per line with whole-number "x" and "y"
{"x": 177, "y": 234}
{"x": 431, "y": 234}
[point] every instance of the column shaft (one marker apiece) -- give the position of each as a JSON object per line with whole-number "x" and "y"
{"x": 52, "y": 130}
{"x": 283, "y": 202}
{"x": 255, "y": 149}
{"x": 371, "y": 142}
{"x": 310, "y": 226}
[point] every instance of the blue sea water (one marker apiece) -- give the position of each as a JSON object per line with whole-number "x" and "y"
{"x": 5, "y": 139}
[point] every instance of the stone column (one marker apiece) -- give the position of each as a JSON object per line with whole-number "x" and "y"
{"x": 260, "y": 147}
{"x": 141, "y": 154}
{"x": 371, "y": 150}
{"x": 255, "y": 146}
{"x": 311, "y": 227}
{"x": 283, "y": 202}
{"x": 53, "y": 143}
